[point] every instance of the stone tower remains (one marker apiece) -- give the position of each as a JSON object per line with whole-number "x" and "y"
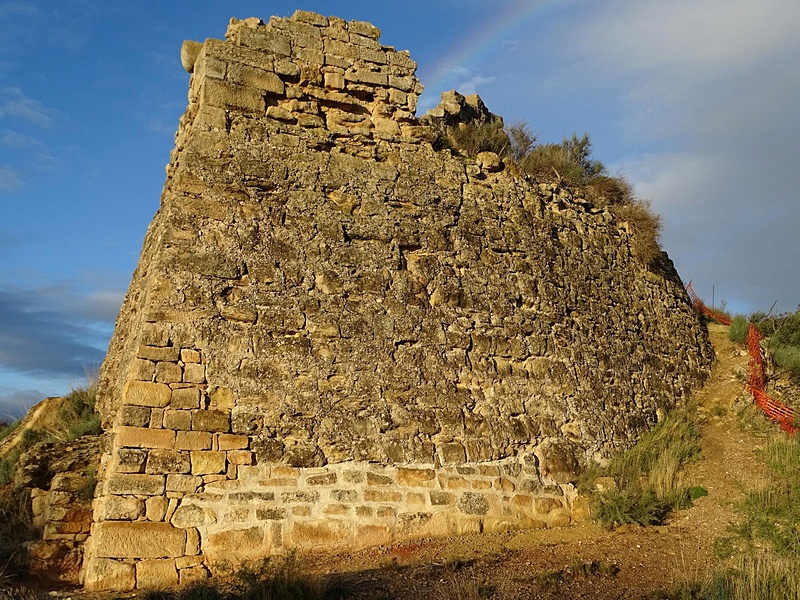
{"x": 339, "y": 335}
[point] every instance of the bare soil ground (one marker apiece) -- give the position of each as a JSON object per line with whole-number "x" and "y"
{"x": 543, "y": 563}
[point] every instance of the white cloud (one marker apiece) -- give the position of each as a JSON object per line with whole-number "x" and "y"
{"x": 9, "y": 179}
{"x": 690, "y": 38}
{"x": 14, "y": 104}
{"x": 20, "y": 8}
{"x": 470, "y": 86}
{"x": 14, "y": 139}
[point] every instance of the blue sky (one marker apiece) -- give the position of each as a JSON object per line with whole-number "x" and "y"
{"x": 695, "y": 101}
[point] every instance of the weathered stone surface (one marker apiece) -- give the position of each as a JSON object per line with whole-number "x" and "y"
{"x": 143, "y": 437}
{"x": 211, "y": 420}
{"x": 121, "y": 508}
{"x": 168, "y": 461}
{"x": 236, "y": 544}
{"x": 473, "y": 504}
{"x": 323, "y": 533}
{"x": 135, "y": 484}
{"x": 204, "y": 463}
{"x": 113, "y": 539}
{"x": 156, "y": 574}
{"x": 104, "y": 574}
{"x": 145, "y": 393}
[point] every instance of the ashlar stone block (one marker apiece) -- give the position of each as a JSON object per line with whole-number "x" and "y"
{"x": 177, "y": 419}
{"x": 121, "y": 508}
{"x": 187, "y": 398}
{"x": 233, "y": 442}
{"x": 191, "y": 515}
{"x": 186, "y": 484}
{"x": 156, "y": 507}
{"x": 208, "y": 462}
{"x": 168, "y": 372}
{"x": 134, "y": 484}
{"x": 144, "y": 437}
{"x": 211, "y": 420}
{"x": 156, "y": 574}
{"x": 227, "y": 95}
{"x": 104, "y": 574}
{"x": 236, "y": 543}
{"x": 316, "y": 533}
{"x": 194, "y": 373}
{"x": 146, "y": 393}
{"x": 130, "y": 460}
{"x": 193, "y": 440}
{"x": 168, "y": 461}
{"x": 140, "y": 539}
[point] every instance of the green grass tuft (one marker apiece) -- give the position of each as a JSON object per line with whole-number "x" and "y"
{"x": 737, "y": 332}
{"x": 648, "y": 475}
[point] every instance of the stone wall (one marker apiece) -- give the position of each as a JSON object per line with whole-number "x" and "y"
{"x": 339, "y": 335}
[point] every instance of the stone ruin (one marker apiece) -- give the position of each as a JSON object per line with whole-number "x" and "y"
{"x": 340, "y": 335}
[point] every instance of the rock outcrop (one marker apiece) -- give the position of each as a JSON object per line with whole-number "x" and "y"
{"x": 339, "y": 335}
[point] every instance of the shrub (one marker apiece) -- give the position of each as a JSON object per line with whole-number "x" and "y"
{"x": 17, "y": 593}
{"x": 78, "y": 412}
{"x": 473, "y": 138}
{"x": 737, "y": 332}
{"x": 7, "y": 428}
{"x": 547, "y": 160}
{"x": 523, "y": 140}
{"x": 788, "y": 331}
{"x": 788, "y": 357}
{"x": 605, "y": 191}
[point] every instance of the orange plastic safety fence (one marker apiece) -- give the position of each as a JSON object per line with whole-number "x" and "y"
{"x": 699, "y": 305}
{"x": 785, "y": 416}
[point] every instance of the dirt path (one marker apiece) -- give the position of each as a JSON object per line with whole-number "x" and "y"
{"x": 544, "y": 563}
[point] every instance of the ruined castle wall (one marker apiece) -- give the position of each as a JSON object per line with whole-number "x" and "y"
{"x": 338, "y": 335}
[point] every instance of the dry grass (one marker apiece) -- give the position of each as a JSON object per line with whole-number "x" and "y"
{"x": 644, "y": 226}
{"x": 16, "y": 528}
{"x": 473, "y": 138}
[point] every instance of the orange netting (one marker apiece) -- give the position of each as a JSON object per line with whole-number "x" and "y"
{"x": 783, "y": 415}
{"x": 699, "y": 305}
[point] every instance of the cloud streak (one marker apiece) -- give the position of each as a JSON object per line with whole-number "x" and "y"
{"x": 15, "y": 105}
{"x": 52, "y": 331}
{"x": 10, "y": 180}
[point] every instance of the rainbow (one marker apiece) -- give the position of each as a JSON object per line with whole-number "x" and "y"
{"x": 478, "y": 45}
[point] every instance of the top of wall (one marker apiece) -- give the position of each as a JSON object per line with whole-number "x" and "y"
{"x": 309, "y": 70}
